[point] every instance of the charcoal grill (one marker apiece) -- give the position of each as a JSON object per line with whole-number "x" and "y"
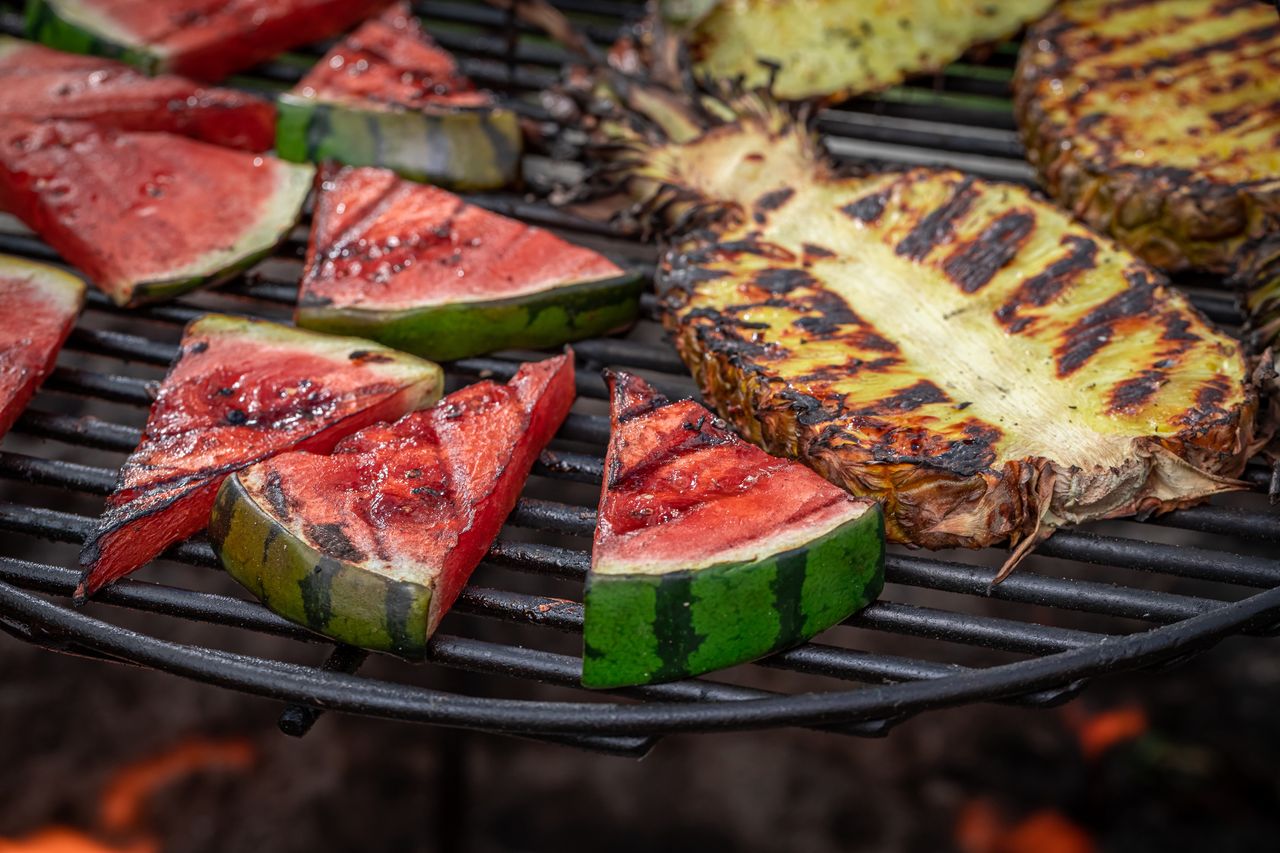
{"x": 1110, "y": 598}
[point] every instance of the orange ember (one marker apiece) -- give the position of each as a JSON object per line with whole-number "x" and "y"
{"x": 982, "y": 828}
{"x": 1098, "y": 733}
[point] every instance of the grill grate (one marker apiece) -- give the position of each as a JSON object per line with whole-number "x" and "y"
{"x": 1111, "y": 597}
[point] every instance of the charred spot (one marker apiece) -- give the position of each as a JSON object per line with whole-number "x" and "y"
{"x": 364, "y": 356}
{"x": 1176, "y": 328}
{"x": 1227, "y": 119}
{"x": 1044, "y": 287}
{"x": 973, "y": 264}
{"x": 1209, "y": 401}
{"x": 1091, "y": 333}
{"x": 196, "y": 348}
{"x": 639, "y": 410}
{"x": 274, "y": 491}
{"x": 1091, "y": 120}
{"x": 965, "y": 456}
{"x": 783, "y": 280}
{"x": 809, "y": 409}
{"x": 937, "y": 225}
{"x": 426, "y": 491}
{"x": 771, "y": 201}
{"x": 1184, "y": 57}
{"x": 332, "y": 539}
{"x": 921, "y": 394}
{"x": 236, "y": 417}
{"x": 1130, "y": 394}
{"x": 833, "y": 313}
{"x": 851, "y": 366}
{"x": 225, "y": 392}
{"x": 868, "y": 208}
{"x": 812, "y": 250}
{"x": 694, "y": 426}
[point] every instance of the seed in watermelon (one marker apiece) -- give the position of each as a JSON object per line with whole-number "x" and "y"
{"x": 196, "y": 38}
{"x": 40, "y": 305}
{"x": 389, "y": 96}
{"x": 147, "y": 216}
{"x": 40, "y": 84}
{"x": 241, "y": 391}
{"x": 371, "y": 545}
{"x": 419, "y": 269}
{"x": 709, "y": 552}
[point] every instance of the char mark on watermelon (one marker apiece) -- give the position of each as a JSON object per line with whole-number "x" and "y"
{"x": 372, "y": 544}
{"x": 419, "y": 269}
{"x": 241, "y": 391}
{"x": 147, "y": 216}
{"x": 196, "y": 38}
{"x": 709, "y": 552}
{"x": 390, "y": 96}
{"x": 40, "y": 305}
{"x": 39, "y": 84}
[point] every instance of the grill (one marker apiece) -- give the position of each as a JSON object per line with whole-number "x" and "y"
{"x": 1108, "y": 598}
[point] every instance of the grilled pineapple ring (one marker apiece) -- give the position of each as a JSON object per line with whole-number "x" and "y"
{"x": 959, "y": 349}
{"x": 1156, "y": 122}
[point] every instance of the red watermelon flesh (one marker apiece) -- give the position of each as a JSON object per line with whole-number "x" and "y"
{"x": 239, "y": 392}
{"x": 684, "y": 492}
{"x": 210, "y": 39}
{"x": 382, "y": 242}
{"x": 41, "y": 84}
{"x": 422, "y": 499}
{"x": 40, "y": 304}
{"x": 146, "y": 215}
{"x": 390, "y": 60}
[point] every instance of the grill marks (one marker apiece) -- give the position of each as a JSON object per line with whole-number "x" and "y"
{"x": 938, "y": 225}
{"x": 972, "y": 265}
{"x": 1044, "y": 287}
{"x": 1087, "y": 336}
{"x": 867, "y": 209}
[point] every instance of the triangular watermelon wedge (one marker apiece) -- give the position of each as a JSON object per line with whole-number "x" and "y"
{"x": 147, "y": 215}
{"x": 372, "y": 544}
{"x": 390, "y": 96}
{"x": 709, "y": 552}
{"x": 419, "y": 269}
{"x": 241, "y": 391}
{"x": 40, "y": 84}
{"x": 38, "y": 306}
{"x": 204, "y": 39}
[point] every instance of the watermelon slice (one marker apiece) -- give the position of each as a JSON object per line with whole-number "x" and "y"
{"x": 389, "y": 96}
{"x": 147, "y": 215}
{"x": 241, "y": 391}
{"x": 709, "y": 552}
{"x": 39, "y": 84}
{"x": 204, "y": 39}
{"x": 40, "y": 304}
{"x": 421, "y": 270}
{"x": 372, "y": 545}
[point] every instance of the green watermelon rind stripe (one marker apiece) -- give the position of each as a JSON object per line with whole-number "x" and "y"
{"x": 641, "y": 629}
{"x": 463, "y": 149}
{"x": 45, "y": 25}
{"x": 339, "y": 599}
{"x": 547, "y": 318}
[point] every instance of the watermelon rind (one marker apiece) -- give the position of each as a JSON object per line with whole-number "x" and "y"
{"x": 462, "y": 149}
{"x": 79, "y": 27}
{"x": 256, "y": 242}
{"x": 449, "y": 331}
{"x": 342, "y": 600}
{"x": 58, "y": 284}
{"x": 647, "y": 626}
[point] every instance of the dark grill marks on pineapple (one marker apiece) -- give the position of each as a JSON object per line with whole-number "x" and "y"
{"x": 936, "y": 227}
{"x": 972, "y": 265}
{"x": 1044, "y": 287}
{"x": 868, "y": 208}
{"x": 1087, "y": 336}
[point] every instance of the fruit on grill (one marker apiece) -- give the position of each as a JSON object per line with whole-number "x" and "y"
{"x": 204, "y": 39}
{"x": 40, "y": 84}
{"x": 821, "y": 48}
{"x": 709, "y": 552}
{"x": 40, "y": 305}
{"x": 372, "y": 544}
{"x": 389, "y": 96}
{"x": 419, "y": 269}
{"x": 1156, "y": 123}
{"x": 147, "y": 215}
{"x": 959, "y": 349}
{"x": 241, "y": 391}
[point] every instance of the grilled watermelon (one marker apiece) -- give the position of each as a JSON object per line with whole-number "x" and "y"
{"x": 389, "y": 96}
{"x": 421, "y": 270}
{"x": 39, "y": 84}
{"x": 147, "y": 216}
{"x": 204, "y": 39}
{"x": 824, "y": 48}
{"x": 241, "y": 391}
{"x": 709, "y": 552}
{"x": 959, "y": 349}
{"x": 1156, "y": 123}
{"x": 372, "y": 544}
{"x": 40, "y": 305}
